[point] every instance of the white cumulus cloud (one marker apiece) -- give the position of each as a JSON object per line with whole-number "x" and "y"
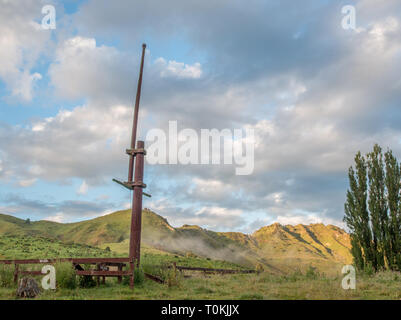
{"x": 179, "y": 69}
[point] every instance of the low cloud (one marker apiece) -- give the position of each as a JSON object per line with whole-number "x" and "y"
{"x": 27, "y": 183}
{"x": 64, "y": 211}
{"x": 83, "y": 188}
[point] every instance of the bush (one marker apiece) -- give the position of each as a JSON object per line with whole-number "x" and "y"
{"x": 6, "y": 276}
{"x": 312, "y": 273}
{"x": 172, "y": 278}
{"x": 65, "y": 275}
{"x": 369, "y": 270}
{"x": 86, "y": 282}
{"x": 139, "y": 277}
{"x": 297, "y": 275}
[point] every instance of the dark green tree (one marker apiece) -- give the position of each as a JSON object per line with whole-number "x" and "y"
{"x": 393, "y": 185}
{"x": 373, "y": 210}
{"x": 377, "y": 203}
{"x": 356, "y": 213}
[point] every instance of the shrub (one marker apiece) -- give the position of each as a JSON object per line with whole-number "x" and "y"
{"x": 312, "y": 273}
{"x": 65, "y": 275}
{"x": 86, "y": 282}
{"x": 297, "y": 275}
{"x": 172, "y": 278}
{"x": 139, "y": 277}
{"x": 6, "y": 275}
{"x": 369, "y": 270}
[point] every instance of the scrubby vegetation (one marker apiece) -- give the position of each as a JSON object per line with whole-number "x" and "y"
{"x": 293, "y": 262}
{"x": 6, "y": 275}
{"x": 24, "y": 247}
{"x": 296, "y": 285}
{"x": 65, "y": 275}
{"x": 139, "y": 277}
{"x": 299, "y": 284}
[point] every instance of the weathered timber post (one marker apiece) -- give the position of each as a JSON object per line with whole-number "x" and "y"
{"x": 137, "y": 205}
{"x": 175, "y": 270}
{"x": 136, "y": 111}
{"x": 136, "y": 219}
{"x": 120, "y": 268}
{"x": 136, "y": 183}
{"x": 98, "y": 277}
{"x": 16, "y": 273}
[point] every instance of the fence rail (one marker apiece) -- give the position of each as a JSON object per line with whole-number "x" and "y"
{"x": 212, "y": 270}
{"x": 106, "y": 262}
{"x": 73, "y": 260}
{"x": 99, "y": 262}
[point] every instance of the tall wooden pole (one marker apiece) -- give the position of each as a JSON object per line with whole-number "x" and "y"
{"x": 137, "y": 184}
{"x": 136, "y": 217}
{"x": 135, "y": 123}
{"x": 137, "y": 199}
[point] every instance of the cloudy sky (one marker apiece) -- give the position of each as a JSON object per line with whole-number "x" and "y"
{"x": 314, "y": 93}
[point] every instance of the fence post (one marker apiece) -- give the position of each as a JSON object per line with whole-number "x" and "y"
{"x": 120, "y": 268}
{"x": 132, "y": 274}
{"x": 16, "y": 273}
{"x": 175, "y": 270}
{"x": 98, "y": 277}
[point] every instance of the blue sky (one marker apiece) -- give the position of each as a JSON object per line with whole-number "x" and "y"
{"x": 314, "y": 93}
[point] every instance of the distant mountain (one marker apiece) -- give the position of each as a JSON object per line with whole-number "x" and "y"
{"x": 278, "y": 248}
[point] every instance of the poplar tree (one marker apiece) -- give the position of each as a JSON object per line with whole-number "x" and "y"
{"x": 378, "y": 207}
{"x": 393, "y": 185}
{"x": 373, "y": 210}
{"x": 356, "y": 214}
{"x": 353, "y": 221}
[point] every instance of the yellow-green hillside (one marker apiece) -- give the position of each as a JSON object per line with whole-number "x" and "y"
{"x": 277, "y": 247}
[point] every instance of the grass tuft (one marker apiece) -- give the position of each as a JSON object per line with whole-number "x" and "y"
{"x": 6, "y": 276}
{"x": 65, "y": 275}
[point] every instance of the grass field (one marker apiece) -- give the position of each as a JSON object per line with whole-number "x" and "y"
{"x": 289, "y": 275}
{"x": 27, "y": 247}
{"x": 246, "y": 287}
{"x": 195, "y": 285}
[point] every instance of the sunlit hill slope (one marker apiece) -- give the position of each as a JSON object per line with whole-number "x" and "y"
{"x": 278, "y": 248}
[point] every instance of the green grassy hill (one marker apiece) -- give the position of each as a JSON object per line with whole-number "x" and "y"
{"x": 33, "y": 247}
{"x": 279, "y": 248}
